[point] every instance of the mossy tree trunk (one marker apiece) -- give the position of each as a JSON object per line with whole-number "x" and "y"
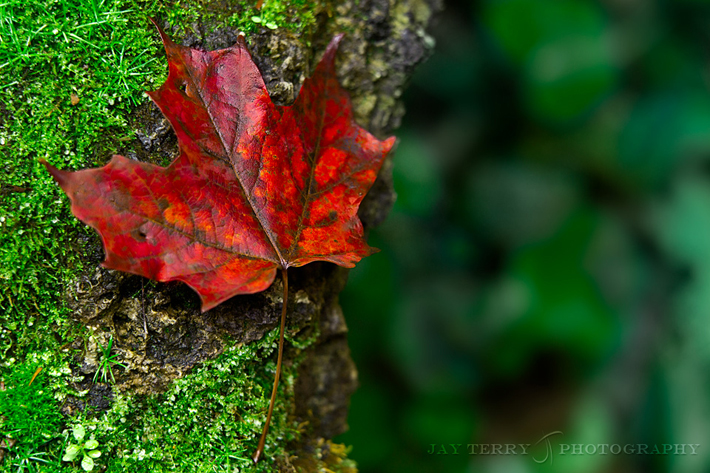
{"x": 157, "y": 329}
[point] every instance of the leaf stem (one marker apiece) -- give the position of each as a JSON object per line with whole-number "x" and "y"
{"x": 262, "y": 440}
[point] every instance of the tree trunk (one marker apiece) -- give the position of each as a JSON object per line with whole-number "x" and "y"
{"x": 157, "y": 328}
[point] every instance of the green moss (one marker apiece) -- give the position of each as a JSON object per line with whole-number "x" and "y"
{"x": 209, "y": 420}
{"x": 103, "y": 55}
{"x": 298, "y": 16}
{"x": 71, "y": 73}
{"x": 30, "y": 415}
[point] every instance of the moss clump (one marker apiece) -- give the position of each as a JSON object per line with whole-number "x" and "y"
{"x": 30, "y": 417}
{"x": 70, "y": 73}
{"x": 298, "y": 16}
{"x": 209, "y": 420}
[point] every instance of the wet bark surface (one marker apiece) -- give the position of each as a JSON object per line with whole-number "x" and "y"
{"x": 157, "y": 327}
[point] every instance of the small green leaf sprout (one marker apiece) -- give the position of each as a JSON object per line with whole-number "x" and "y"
{"x": 87, "y": 450}
{"x": 107, "y": 360}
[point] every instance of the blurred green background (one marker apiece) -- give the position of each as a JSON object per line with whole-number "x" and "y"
{"x": 547, "y": 264}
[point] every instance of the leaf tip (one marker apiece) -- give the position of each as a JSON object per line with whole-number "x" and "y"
{"x": 389, "y": 143}
{"x": 242, "y": 42}
{"x": 337, "y": 38}
{"x": 163, "y": 35}
{"x": 329, "y": 55}
{"x": 207, "y": 305}
{"x": 62, "y": 177}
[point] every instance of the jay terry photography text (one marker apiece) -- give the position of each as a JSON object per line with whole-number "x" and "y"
{"x": 545, "y": 449}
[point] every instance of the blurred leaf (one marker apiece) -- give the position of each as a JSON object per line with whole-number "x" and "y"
{"x": 519, "y": 26}
{"x": 567, "y": 77}
{"x": 664, "y": 131}
{"x": 591, "y": 426}
{"x": 682, "y": 226}
{"x": 515, "y": 203}
{"x": 561, "y": 47}
{"x": 433, "y": 334}
{"x": 87, "y": 463}
{"x": 71, "y": 453}
{"x": 79, "y": 432}
{"x": 566, "y": 311}
{"x": 91, "y": 444}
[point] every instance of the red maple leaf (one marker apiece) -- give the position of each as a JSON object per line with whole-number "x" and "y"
{"x": 256, "y": 187}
